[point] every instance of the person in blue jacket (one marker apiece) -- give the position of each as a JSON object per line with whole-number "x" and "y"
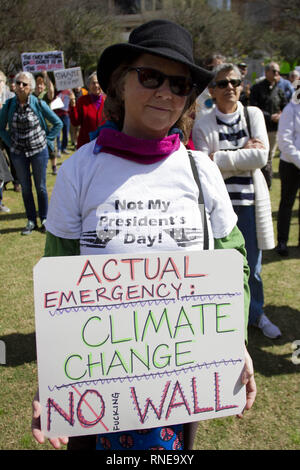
{"x": 24, "y": 129}
{"x": 286, "y": 87}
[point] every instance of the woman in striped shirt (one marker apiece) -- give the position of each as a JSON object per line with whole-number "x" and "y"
{"x": 235, "y": 137}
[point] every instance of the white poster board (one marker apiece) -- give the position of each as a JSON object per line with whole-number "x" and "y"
{"x": 57, "y": 103}
{"x": 133, "y": 342}
{"x": 38, "y": 61}
{"x": 68, "y": 78}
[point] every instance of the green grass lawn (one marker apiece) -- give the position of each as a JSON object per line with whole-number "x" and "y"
{"x": 273, "y": 422}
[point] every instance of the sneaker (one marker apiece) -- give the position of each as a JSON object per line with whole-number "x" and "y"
{"x": 282, "y": 249}
{"x": 58, "y": 154}
{"x": 268, "y": 328}
{"x": 66, "y": 152}
{"x": 4, "y": 208}
{"x": 54, "y": 170}
{"x": 43, "y": 227}
{"x": 29, "y": 228}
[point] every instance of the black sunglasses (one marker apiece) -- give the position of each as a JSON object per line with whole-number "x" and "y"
{"x": 151, "y": 78}
{"x": 21, "y": 83}
{"x": 235, "y": 82}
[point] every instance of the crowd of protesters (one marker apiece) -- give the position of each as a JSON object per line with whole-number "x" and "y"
{"x": 236, "y": 125}
{"x": 32, "y": 133}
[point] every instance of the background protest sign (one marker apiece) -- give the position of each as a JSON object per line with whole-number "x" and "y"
{"x": 133, "y": 342}
{"x": 39, "y": 61}
{"x": 68, "y": 78}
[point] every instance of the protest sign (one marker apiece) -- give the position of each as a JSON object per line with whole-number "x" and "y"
{"x": 57, "y": 103}
{"x": 68, "y": 78}
{"x": 134, "y": 342}
{"x": 38, "y": 61}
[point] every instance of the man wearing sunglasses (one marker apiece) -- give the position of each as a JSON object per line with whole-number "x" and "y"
{"x": 240, "y": 149}
{"x": 270, "y": 98}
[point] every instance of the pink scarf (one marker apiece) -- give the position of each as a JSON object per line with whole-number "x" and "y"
{"x": 138, "y": 150}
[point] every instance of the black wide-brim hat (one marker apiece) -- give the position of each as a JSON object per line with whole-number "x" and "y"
{"x": 157, "y": 37}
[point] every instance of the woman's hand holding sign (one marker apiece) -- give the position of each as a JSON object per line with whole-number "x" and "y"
{"x": 249, "y": 381}
{"x": 37, "y": 433}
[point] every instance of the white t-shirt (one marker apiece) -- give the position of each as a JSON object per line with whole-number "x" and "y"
{"x": 114, "y": 205}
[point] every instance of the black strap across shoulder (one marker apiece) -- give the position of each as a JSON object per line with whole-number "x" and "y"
{"x": 200, "y": 201}
{"x": 247, "y": 120}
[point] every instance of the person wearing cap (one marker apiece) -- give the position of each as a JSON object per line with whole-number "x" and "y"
{"x": 246, "y": 84}
{"x": 150, "y": 83}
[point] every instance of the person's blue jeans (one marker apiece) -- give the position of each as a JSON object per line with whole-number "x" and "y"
{"x": 62, "y": 140}
{"x": 247, "y": 225}
{"x": 38, "y": 164}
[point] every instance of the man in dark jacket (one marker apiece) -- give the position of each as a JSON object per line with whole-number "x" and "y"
{"x": 270, "y": 98}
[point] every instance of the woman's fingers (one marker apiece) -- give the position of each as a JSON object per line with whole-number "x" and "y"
{"x": 37, "y": 433}
{"x": 249, "y": 381}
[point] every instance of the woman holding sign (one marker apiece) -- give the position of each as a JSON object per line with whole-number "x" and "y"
{"x": 132, "y": 189}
